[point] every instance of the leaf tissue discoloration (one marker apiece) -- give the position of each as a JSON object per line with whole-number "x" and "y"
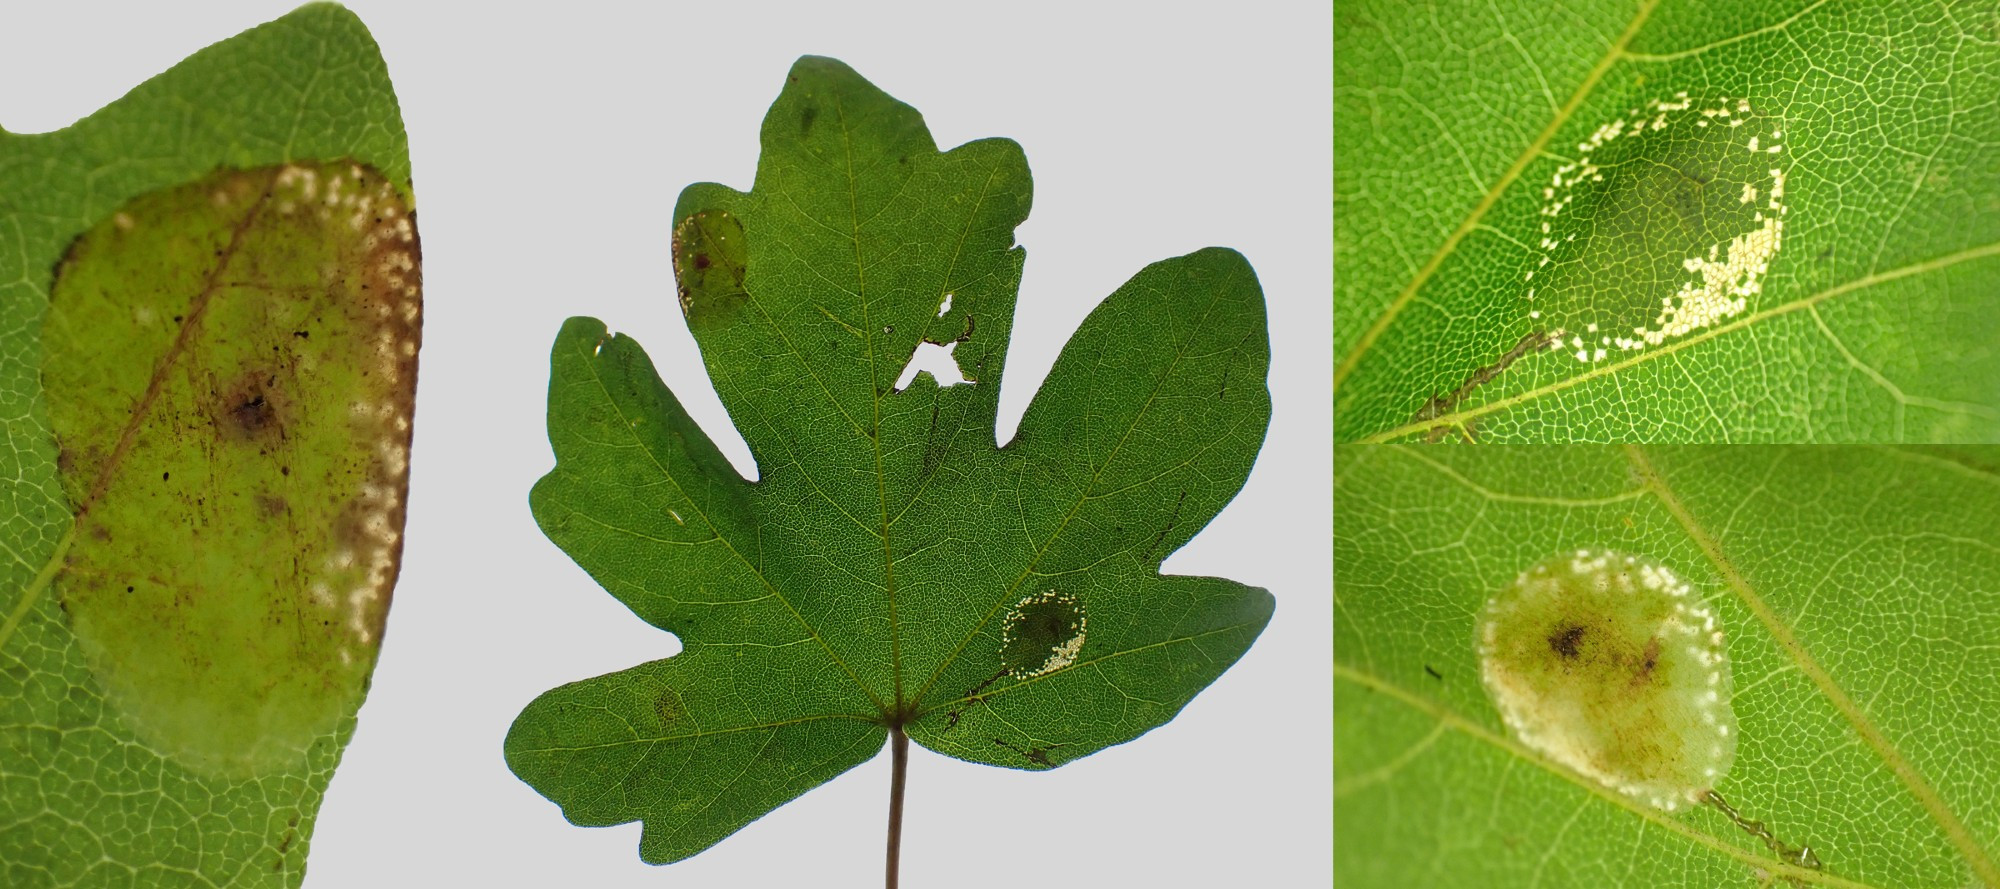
{"x": 233, "y": 363}
{"x": 669, "y": 708}
{"x": 1565, "y": 639}
{"x": 1042, "y": 634}
{"x": 1664, "y": 224}
{"x": 251, "y": 409}
{"x": 1610, "y": 665}
{"x": 710, "y": 263}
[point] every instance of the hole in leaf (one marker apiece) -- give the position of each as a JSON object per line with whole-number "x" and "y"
{"x": 935, "y": 360}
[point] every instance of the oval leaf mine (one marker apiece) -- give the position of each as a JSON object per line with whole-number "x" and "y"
{"x": 231, "y": 368}
{"x": 1042, "y": 634}
{"x": 1662, "y": 223}
{"x": 1611, "y": 665}
{"x": 711, "y": 259}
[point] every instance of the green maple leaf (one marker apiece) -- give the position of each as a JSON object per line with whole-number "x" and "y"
{"x": 892, "y": 573}
{"x": 1650, "y": 220}
{"x": 1856, "y": 591}
{"x": 210, "y": 329}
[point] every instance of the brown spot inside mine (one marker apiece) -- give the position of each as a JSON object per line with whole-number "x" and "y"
{"x": 273, "y": 505}
{"x": 1652, "y": 659}
{"x": 251, "y": 409}
{"x": 1564, "y": 641}
{"x": 253, "y": 415}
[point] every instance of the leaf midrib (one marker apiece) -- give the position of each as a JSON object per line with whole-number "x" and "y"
{"x": 875, "y": 407}
{"x": 887, "y": 522}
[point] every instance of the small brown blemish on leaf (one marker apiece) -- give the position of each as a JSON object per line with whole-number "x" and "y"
{"x": 667, "y": 705}
{"x": 252, "y": 408}
{"x": 971, "y": 697}
{"x": 1565, "y": 639}
{"x": 254, "y": 414}
{"x": 1649, "y": 660}
{"x": 1037, "y": 755}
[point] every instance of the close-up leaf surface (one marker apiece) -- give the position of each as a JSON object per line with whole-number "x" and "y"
{"x": 1665, "y": 221}
{"x": 208, "y": 343}
{"x": 892, "y": 571}
{"x": 1855, "y": 592}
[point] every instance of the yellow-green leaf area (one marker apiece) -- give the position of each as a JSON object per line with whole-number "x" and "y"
{"x": 231, "y": 366}
{"x": 709, "y": 264}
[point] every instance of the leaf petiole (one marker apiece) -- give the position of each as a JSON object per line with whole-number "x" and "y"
{"x": 899, "y": 758}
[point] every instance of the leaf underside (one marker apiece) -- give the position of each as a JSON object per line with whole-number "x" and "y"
{"x": 891, "y": 566}
{"x": 207, "y": 375}
{"x": 1857, "y": 590}
{"x": 1494, "y": 264}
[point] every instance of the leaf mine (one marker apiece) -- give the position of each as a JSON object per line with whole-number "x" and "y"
{"x": 711, "y": 258}
{"x": 1664, "y": 222}
{"x": 1611, "y": 665}
{"x": 1042, "y": 634}
{"x": 231, "y": 367}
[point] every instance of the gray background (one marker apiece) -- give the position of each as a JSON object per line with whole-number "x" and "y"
{"x": 548, "y": 146}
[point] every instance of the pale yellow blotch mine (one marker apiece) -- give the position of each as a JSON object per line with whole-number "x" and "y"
{"x": 1610, "y": 665}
